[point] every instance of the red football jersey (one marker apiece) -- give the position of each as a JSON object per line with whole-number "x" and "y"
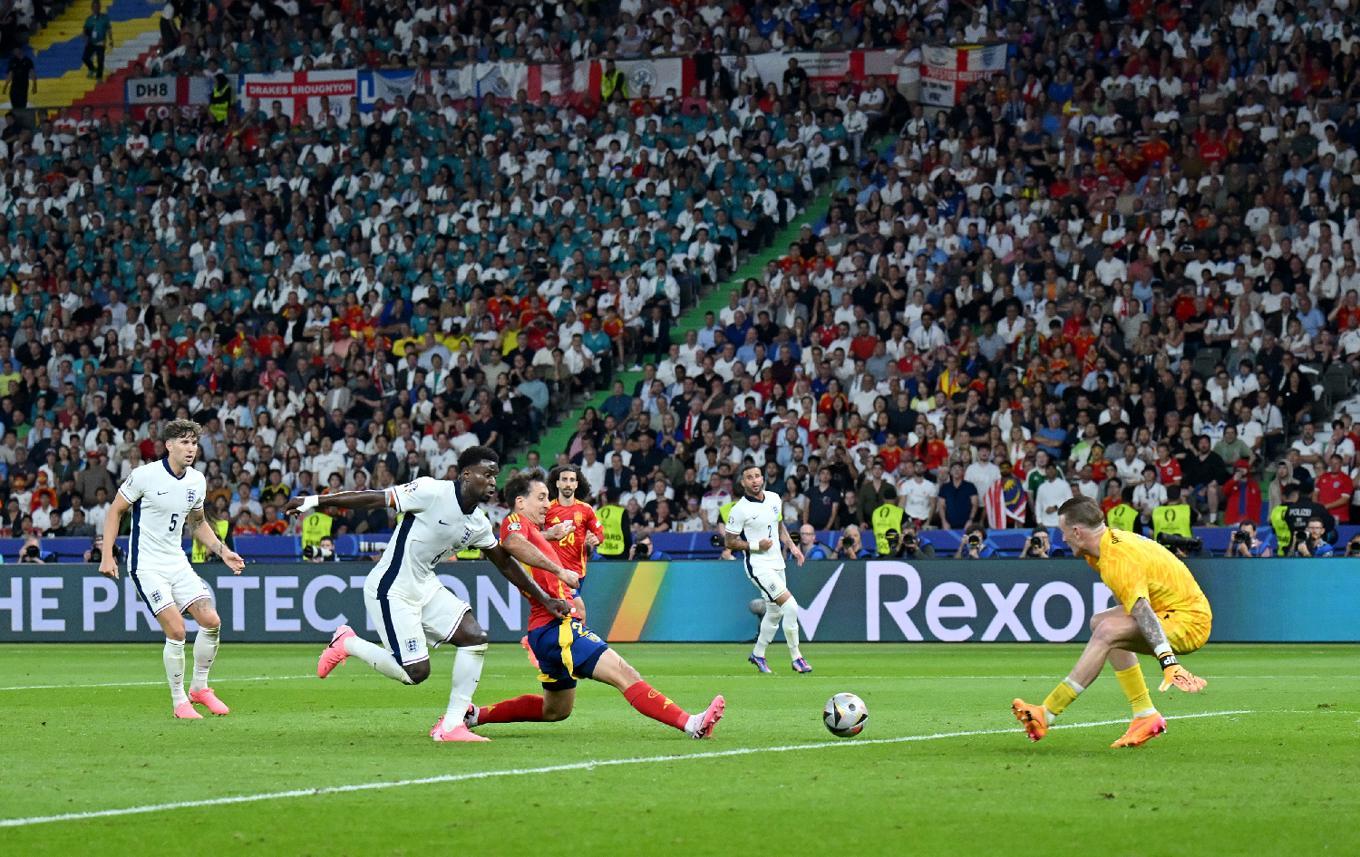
{"x": 538, "y": 616}
{"x": 571, "y": 548}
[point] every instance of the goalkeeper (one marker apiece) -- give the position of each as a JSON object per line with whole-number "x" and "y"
{"x": 1164, "y": 613}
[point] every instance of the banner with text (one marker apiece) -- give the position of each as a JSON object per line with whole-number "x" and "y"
{"x": 947, "y": 72}
{"x": 1291, "y": 600}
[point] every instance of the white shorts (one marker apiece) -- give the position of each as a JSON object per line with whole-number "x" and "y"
{"x": 409, "y": 624}
{"x": 770, "y": 581}
{"x": 178, "y": 587}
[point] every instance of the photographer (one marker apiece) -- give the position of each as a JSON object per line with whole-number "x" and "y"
{"x": 910, "y": 546}
{"x": 96, "y": 550}
{"x": 975, "y": 545}
{"x": 642, "y": 550}
{"x": 1182, "y": 546}
{"x": 322, "y": 551}
{"x": 1312, "y": 542}
{"x": 1245, "y": 543}
{"x": 1037, "y": 546}
{"x": 31, "y": 551}
{"x": 851, "y": 546}
{"x": 1353, "y": 546}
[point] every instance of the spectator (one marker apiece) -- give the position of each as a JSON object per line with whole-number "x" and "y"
{"x": 957, "y": 502}
{"x": 1050, "y": 495}
{"x": 808, "y": 544}
{"x": 1241, "y": 496}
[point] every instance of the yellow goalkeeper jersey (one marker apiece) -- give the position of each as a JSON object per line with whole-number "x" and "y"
{"x": 1136, "y": 567}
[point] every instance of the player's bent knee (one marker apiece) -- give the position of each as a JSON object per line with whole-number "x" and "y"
{"x": 417, "y": 672}
{"x": 209, "y": 621}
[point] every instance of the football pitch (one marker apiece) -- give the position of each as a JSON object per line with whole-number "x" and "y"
{"x": 1264, "y": 761}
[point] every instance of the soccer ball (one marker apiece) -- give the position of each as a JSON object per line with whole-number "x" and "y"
{"x": 845, "y": 715}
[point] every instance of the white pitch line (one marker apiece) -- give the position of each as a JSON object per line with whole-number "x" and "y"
{"x": 150, "y": 683}
{"x": 547, "y": 769}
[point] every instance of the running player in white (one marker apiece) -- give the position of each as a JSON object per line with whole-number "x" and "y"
{"x": 166, "y": 497}
{"x": 755, "y": 525}
{"x": 408, "y": 605}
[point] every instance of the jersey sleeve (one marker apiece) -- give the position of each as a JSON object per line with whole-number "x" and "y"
{"x": 736, "y": 519}
{"x": 132, "y": 488}
{"x": 593, "y": 524}
{"x": 416, "y": 496}
{"x": 202, "y": 493}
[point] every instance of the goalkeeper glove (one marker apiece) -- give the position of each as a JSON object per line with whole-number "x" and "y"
{"x": 1173, "y": 674}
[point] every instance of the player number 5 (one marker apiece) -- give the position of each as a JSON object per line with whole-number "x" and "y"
{"x": 174, "y": 522}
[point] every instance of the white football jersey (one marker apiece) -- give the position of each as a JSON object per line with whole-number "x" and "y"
{"x": 754, "y": 521}
{"x": 160, "y": 503}
{"x": 433, "y": 526}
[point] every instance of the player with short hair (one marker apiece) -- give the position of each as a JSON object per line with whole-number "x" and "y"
{"x": 1164, "y": 613}
{"x": 166, "y": 497}
{"x": 411, "y": 609}
{"x": 753, "y": 526}
{"x": 568, "y": 490}
{"x": 568, "y": 650}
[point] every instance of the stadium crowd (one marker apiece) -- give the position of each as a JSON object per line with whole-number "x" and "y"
{"x": 1124, "y": 267}
{"x": 349, "y": 303}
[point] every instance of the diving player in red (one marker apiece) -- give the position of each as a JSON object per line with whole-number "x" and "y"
{"x": 568, "y": 650}
{"x": 565, "y": 485}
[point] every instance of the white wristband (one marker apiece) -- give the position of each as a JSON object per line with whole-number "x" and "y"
{"x": 309, "y": 502}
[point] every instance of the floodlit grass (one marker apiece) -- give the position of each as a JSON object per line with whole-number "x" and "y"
{"x": 1279, "y": 779}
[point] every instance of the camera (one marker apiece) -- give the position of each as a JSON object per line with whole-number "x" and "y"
{"x": 1241, "y": 537}
{"x": 974, "y": 538}
{"x": 847, "y": 542}
{"x": 717, "y": 541}
{"x": 1181, "y": 543}
{"x": 1036, "y": 543}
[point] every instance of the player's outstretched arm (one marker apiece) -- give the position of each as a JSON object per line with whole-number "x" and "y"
{"x": 338, "y": 500}
{"x": 523, "y": 550}
{"x": 200, "y": 529}
{"x": 505, "y": 563}
{"x": 108, "y": 566}
{"x": 1173, "y": 674}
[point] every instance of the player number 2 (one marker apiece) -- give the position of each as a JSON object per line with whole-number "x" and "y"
{"x": 174, "y": 522}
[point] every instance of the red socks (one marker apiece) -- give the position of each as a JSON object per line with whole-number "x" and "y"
{"x": 651, "y": 702}
{"x": 521, "y": 709}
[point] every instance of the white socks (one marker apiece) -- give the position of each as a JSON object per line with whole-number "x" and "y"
{"x": 205, "y": 650}
{"x": 174, "y": 671}
{"x": 467, "y": 671}
{"x": 769, "y": 623}
{"x": 790, "y": 610}
{"x": 377, "y": 657}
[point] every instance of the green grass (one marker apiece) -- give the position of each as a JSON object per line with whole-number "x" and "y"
{"x": 1280, "y": 780}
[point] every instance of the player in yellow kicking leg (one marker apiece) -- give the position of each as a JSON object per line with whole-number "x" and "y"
{"x": 1164, "y": 613}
